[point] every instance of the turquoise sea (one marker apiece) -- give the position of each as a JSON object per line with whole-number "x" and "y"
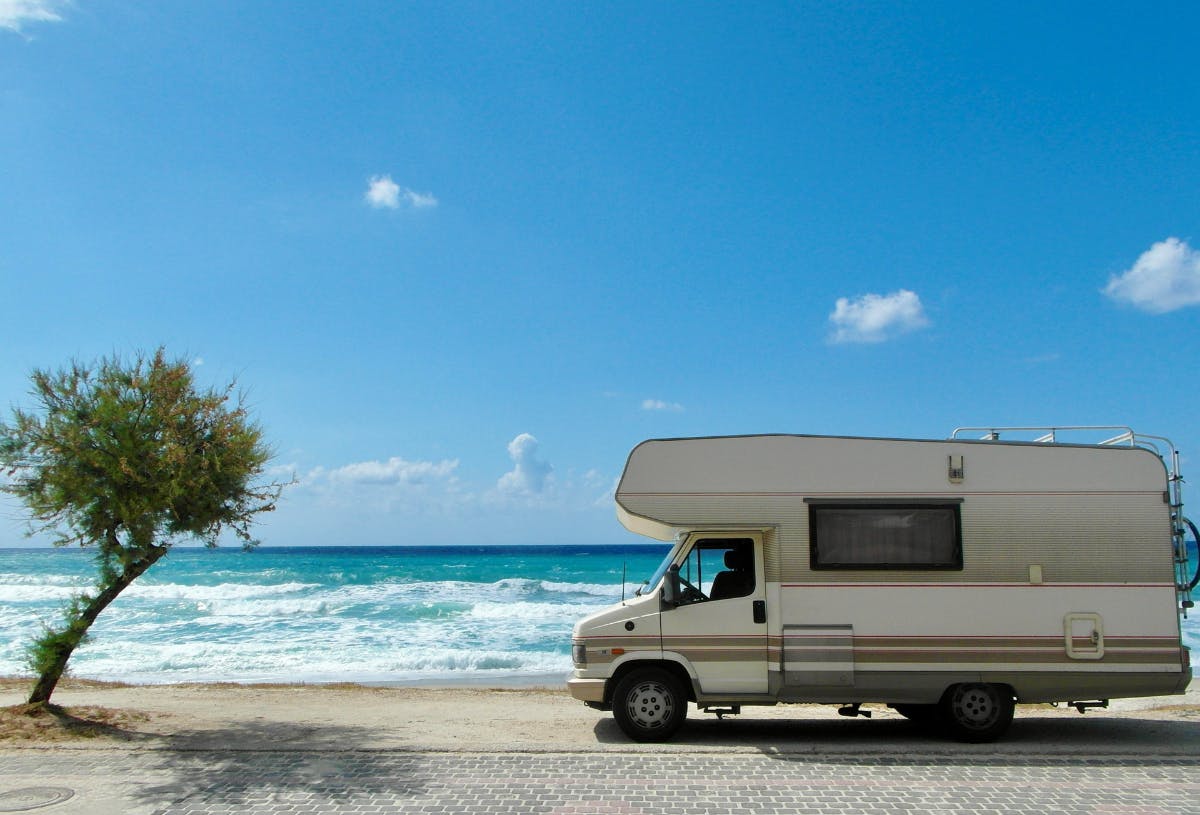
{"x": 346, "y": 614}
{"x": 360, "y": 614}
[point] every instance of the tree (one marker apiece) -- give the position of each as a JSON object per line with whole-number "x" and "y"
{"x": 129, "y": 458}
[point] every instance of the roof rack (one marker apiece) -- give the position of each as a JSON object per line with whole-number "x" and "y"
{"x": 1125, "y": 436}
{"x": 1050, "y": 433}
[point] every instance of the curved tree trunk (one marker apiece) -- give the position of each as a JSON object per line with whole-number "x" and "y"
{"x": 69, "y": 638}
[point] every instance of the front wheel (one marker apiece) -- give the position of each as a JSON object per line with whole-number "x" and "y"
{"x": 649, "y": 705}
{"x": 977, "y": 712}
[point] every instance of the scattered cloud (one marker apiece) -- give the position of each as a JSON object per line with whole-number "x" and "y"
{"x": 530, "y": 476}
{"x": 13, "y": 13}
{"x": 410, "y": 490}
{"x": 396, "y": 500}
{"x": 876, "y": 318}
{"x": 659, "y": 404}
{"x": 420, "y": 200}
{"x": 388, "y": 486}
{"x": 1166, "y": 277}
{"x": 384, "y": 193}
{"x": 594, "y": 478}
{"x": 281, "y": 473}
{"x": 394, "y": 471}
{"x": 609, "y": 496}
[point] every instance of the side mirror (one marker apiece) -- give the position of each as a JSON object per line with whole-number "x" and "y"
{"x": 670, "y": 590}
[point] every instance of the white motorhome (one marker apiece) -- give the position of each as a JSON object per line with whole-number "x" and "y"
{"x": 947, "y": 579}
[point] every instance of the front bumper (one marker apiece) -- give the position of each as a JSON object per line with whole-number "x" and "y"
{"x": 586, "y": 690}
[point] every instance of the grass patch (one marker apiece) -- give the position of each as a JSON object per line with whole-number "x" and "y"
{"x": 51, "y": 723}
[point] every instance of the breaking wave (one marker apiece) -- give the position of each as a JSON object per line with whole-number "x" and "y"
{"x": 322, "y": 615}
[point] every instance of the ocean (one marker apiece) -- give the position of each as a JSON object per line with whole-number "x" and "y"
{"x": 497, "y": 614}
{"x": 345, "y": 614}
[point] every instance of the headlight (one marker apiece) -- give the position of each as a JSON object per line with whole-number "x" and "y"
{"x": 579, "y": 654}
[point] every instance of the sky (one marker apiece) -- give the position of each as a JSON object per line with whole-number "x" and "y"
{"x": 462, "y": 257}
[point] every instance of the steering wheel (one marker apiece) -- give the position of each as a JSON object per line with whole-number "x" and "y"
{"x": 690, "y": 593}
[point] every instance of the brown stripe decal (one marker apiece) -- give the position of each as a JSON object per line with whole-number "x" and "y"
{"x": 600, "y": 650}
{"x": 620, "y": 642}
{"x": 813, "y": 650}
{"x": 722, "y": 655}
{"x": 674, "y": 643}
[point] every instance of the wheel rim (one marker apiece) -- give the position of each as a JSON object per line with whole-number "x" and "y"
{"x": 975, "y": 707}
{"x": 650, "y": 705}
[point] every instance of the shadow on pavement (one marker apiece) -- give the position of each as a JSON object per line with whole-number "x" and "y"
{"x": 277, "y": 762}
{"x": 1080, "y": 738}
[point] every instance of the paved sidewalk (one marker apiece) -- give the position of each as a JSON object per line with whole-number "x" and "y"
{"x": 175, "y": 782}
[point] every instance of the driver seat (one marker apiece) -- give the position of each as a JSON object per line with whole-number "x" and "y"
{"x": 738, "y": 581}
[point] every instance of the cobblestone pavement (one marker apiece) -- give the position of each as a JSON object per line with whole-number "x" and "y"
{"x": 170, "y": 782}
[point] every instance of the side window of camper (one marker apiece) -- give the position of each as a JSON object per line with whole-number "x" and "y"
{"x": 854, "y": 535}
{"x": 718, "y": 569}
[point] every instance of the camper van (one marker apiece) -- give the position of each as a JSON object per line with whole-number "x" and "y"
{"x": 946, "y": 579}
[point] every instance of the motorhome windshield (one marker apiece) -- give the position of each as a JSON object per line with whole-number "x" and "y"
{"x": 652, "y": 581}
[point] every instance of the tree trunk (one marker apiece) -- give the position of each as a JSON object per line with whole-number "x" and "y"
{"x": 79, "y": 625}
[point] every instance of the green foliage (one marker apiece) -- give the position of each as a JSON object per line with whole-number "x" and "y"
{"x": 130, "y": 458}
{"x": 55, "y": 646}
{"x": 135, "y": 449}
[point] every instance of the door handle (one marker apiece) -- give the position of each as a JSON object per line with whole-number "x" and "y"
{"x": 760, "y": 611}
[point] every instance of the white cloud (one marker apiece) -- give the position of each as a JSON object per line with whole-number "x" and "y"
{"x": 659, "y": 404}
{"x": 530, "y": 475}
{"x": 594, "y": 478}
{"x": 394, "y": 500}
{"x": 394, "y": 471}
{"x": 1166, "y": 277}
{"x": 420, "y": 200}
{"x": 281, "y": 473}
{"x": 15, "y": 12}
{"x": 609, "y": 496}
{"x": 875, "y": 317}
{"x": 394, "y": 486}
{"x": 384, "y": 193}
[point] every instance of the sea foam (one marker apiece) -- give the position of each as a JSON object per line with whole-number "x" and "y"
{"x": 347, "y": 614}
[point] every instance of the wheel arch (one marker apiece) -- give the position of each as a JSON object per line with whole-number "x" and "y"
{"x": 674, "y": 667}
{"x": 1005, "y": 687}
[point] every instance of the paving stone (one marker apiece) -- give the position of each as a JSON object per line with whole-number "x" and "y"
{"x": 167, "y": 782}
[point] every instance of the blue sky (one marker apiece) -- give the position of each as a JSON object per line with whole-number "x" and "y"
{"x": 464, "y": 256}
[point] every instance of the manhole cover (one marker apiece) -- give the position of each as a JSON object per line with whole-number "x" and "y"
{"x": 28, "y": 798}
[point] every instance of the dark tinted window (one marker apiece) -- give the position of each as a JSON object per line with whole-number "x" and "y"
{"x": 885, "y": 536}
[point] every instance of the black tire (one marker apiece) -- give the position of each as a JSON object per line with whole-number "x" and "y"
{"x": 977, "y": 712}
{"x": 649, "y": 705}
{"x": 921, "y": 714}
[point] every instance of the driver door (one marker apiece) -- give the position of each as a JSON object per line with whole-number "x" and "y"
{"x": 719, "y": 626}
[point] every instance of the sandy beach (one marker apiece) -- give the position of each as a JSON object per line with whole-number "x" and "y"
{"x": 482, "y": 719}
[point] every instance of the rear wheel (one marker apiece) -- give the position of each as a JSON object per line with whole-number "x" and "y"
{"x": 649, "y": 705}
{"x": 977, "y": 712}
